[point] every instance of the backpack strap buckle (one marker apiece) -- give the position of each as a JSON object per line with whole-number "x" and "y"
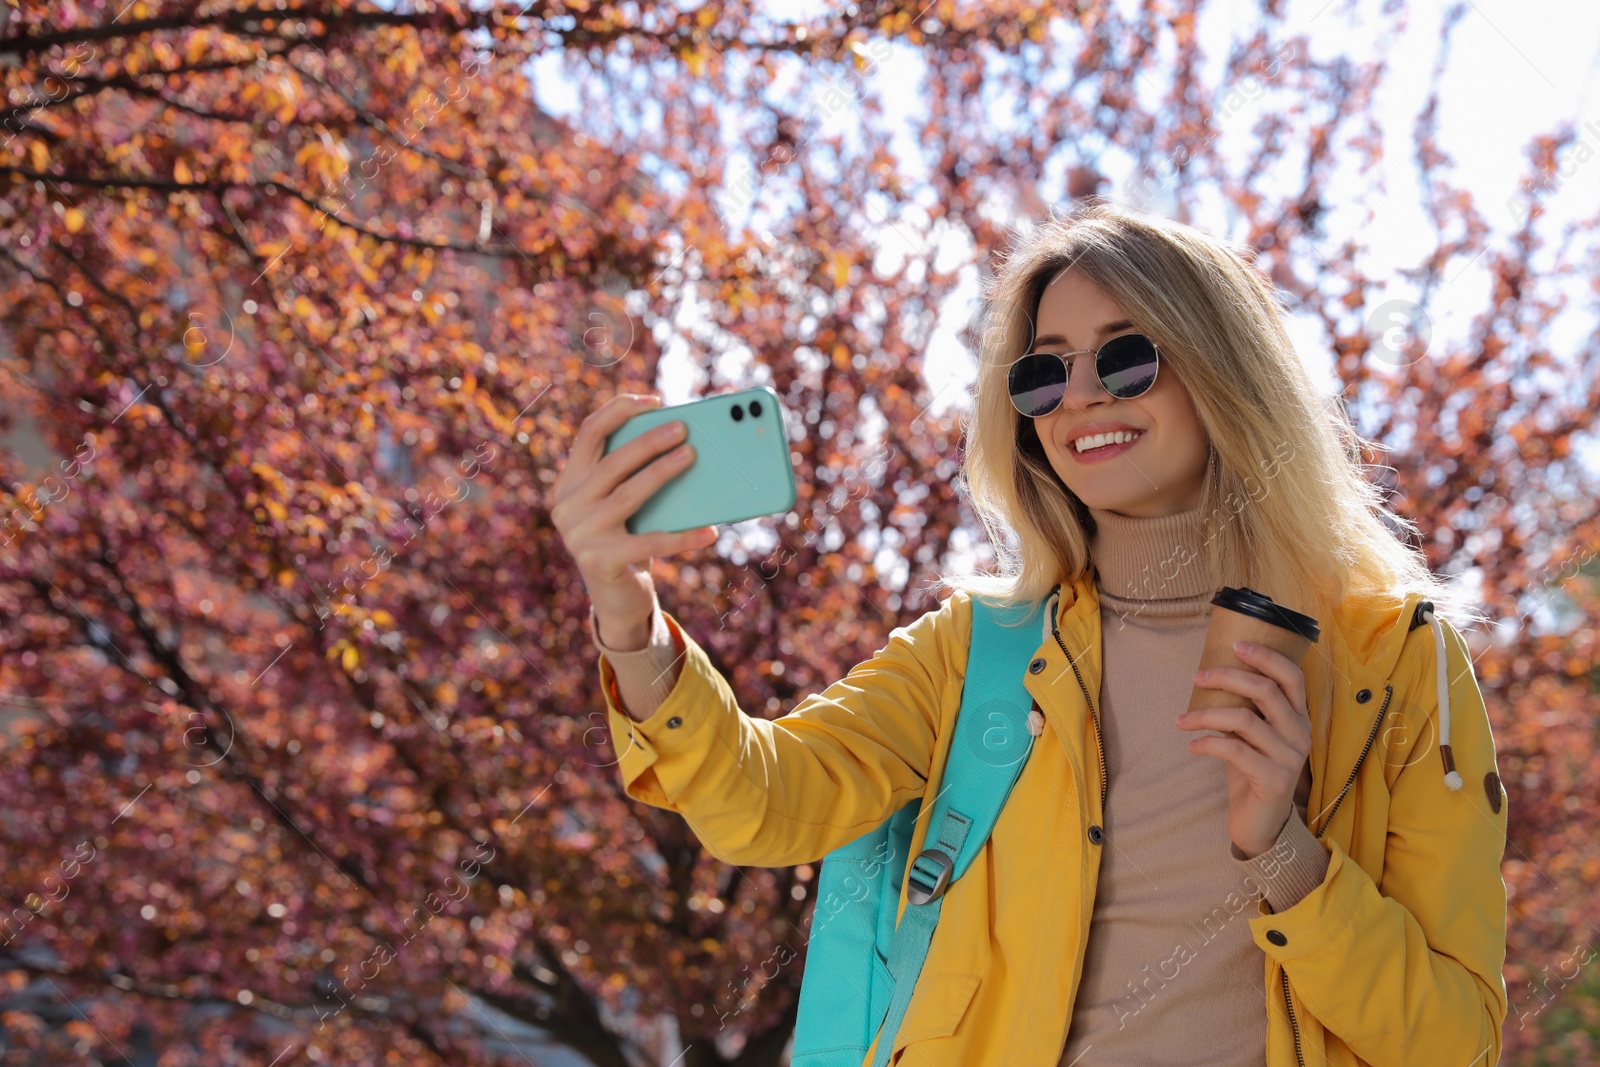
{"x": 919, "y": 891}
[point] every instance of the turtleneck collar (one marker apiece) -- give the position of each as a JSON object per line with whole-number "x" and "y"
{"x": 1151, "y": 560}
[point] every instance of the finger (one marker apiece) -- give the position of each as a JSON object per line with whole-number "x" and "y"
{"x": 629, "y": 548}
{"x": 626, "y": 460}
{"x": 1264, "y": 692}
{"x": 582, "y": 488}
{"x": 671, "y": 544}
{"x": 614, "y": 552}
{"x": 588, "y": 447}
{"x": 1291, "y": 680}
{"x": 628, "y": 497}
{"x": 1244, "y": 759}
{"x": 1244, "y": 723}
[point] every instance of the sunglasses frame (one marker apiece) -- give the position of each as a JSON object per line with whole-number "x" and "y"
{"x": 1066, "y": 366}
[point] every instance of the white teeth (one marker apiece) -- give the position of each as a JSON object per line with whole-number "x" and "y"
{"x": 1083, "y": 444}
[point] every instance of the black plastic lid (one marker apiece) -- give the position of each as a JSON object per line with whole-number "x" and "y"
{"x": 1247, "y": 601}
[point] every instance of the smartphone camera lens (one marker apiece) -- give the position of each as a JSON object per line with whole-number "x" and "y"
{"x": 738, "y": 413}
{"x": 755, "y": 409}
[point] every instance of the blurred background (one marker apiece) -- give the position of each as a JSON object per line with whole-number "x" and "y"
{"x": 302, "y": 754}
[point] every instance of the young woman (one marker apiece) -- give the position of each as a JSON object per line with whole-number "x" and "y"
{"x": 1144, "y": 434}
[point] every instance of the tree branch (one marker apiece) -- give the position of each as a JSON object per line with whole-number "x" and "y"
{"x": 527, "y": 21}
{"x": 374, "y": 121}
{"x": 248, "y": 22}
{"x": 217, "y": 188}
{"x": 300, "y": 1014}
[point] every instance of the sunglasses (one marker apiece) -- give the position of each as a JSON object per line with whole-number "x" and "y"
{"x": 1126, "y": 366}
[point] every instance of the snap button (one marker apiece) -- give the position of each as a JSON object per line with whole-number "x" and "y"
{"x": 1276, "y": 938}
{"x": 674, "y": 722}
{"x": 1036, "y": 666}
{"x": 1096, "y": 834}
{"x": 1363, "y": 696}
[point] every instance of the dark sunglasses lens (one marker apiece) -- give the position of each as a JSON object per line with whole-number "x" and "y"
{"x": 1127, "y": 365}
{"x": 1037, "y": 384}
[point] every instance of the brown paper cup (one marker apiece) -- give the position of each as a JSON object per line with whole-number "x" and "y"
{"x": 1237, "y": 615}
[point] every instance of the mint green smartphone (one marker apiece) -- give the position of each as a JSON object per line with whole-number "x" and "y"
{"x": 741, "y": 467}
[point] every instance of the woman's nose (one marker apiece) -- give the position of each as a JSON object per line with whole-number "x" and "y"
{"x": 1083, "y": 385}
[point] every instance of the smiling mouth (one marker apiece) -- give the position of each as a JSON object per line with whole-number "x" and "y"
{"x": 1116, "y": 439}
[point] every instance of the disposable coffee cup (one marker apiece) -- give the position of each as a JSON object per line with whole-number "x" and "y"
{"x": 1245, "y": 615}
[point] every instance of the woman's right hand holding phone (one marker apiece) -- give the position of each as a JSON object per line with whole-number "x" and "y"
{"x": 593, "y": 499}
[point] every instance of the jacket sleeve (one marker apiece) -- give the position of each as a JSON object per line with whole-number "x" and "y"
{"x": 1410, "y": 972}
{"x": 777, "y": 792}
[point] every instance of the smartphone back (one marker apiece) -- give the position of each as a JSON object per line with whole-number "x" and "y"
{"x": 741, "y": 467}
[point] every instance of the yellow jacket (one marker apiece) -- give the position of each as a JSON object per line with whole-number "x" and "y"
{"x": 1394, "y": 960}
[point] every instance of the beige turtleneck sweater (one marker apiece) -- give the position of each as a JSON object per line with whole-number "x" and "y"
{"x": 1170, "y": 974}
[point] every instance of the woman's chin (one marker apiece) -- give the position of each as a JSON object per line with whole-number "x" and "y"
{"x": 1121, "y": 507}
{"x": 1148, "y": 506}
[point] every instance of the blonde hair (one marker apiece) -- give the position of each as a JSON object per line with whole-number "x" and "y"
{"x": 1287, "y": 508}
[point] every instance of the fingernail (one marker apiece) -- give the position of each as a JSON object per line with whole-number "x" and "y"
{"x": 1201, "y": 676}
{"x": 1184, "y": 717}
{"x": 1242, "y": 646}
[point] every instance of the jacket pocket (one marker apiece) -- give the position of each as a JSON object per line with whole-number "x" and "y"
{"x": 937, "y": 1005}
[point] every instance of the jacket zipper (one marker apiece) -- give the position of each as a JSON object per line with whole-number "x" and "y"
{"x": 1388, "y": 694}
{"x": 1099, "y": 746}
{"x": 1093, "y": 716}
{"x": 1294, "y": 1024}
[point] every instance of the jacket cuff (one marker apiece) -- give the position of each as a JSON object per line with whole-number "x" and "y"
{"x": 1287, "y": 872}
{"x": 1319, "y": 918}
{"x": 659, "y": 755}
{"x": 644, "y": 676}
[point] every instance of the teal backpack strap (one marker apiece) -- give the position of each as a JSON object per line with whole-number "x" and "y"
{"x": 990, "y": 746}
{"x": 845, "y": 988}
{"x": 860, "y": 966}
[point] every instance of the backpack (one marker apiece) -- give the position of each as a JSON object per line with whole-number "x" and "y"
{"x": 860, "y": 966}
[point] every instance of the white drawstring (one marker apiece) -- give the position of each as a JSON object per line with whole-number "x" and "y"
{"x": 1451, "y": 777}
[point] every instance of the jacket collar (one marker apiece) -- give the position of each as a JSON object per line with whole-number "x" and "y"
{"x": 1369, "y": 631}
{"x": 1359, "y": 650}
